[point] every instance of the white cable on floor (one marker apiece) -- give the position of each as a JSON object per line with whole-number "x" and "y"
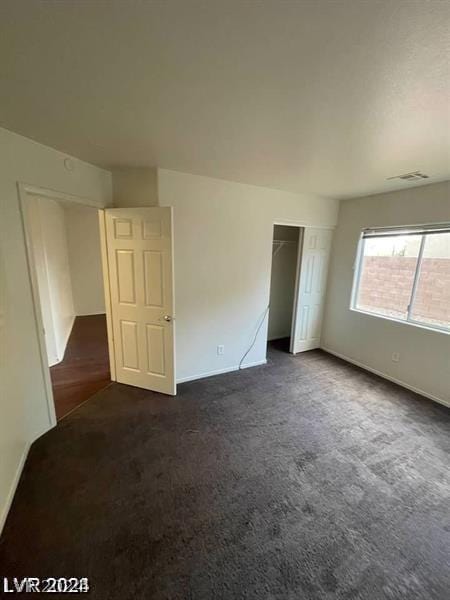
{"x": 256, "y": 335}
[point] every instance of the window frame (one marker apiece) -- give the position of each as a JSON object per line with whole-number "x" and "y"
{"x": 424, "y": 231}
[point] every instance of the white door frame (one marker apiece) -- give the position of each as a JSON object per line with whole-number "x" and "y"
{"x": 301, "y": 225}
{"x": 107, "y": 292}
{"x": 25, "y": 193}
{"x": 298, "y": 268}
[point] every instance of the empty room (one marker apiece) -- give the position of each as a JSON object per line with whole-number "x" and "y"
{"x": 225, "y": 299}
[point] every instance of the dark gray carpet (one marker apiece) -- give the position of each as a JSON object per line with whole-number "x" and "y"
{"x": 306, "y": 478}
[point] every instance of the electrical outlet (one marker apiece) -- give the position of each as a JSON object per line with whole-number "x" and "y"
{"x": 395, "y": 357}
{"x": 220, "y": 349}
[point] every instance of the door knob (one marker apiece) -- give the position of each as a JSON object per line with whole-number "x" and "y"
{"x": 167, "y": 318}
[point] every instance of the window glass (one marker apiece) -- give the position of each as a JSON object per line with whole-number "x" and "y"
{"x": 431, "y": 303}
{"x": 386, "y": 277}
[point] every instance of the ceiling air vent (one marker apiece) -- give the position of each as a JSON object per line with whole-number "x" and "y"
{"x": 414, "y": 176}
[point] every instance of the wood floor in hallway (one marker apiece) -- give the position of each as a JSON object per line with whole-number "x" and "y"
{"x": 85, "y": 367}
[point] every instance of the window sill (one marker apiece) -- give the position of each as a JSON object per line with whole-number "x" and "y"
{"x": 436, "y": 329}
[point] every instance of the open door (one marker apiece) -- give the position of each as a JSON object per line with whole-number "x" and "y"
{"x": 140, "y": 272}
{"x": 313, "y": 261}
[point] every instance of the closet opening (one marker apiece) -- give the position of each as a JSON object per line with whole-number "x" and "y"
{"x": 283, "y": 285}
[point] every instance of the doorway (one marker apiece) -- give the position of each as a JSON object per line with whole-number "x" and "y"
{"x": 64, "y": 240}
{"x": 300, "y": 257}
{"x": 285, "y": 250}
{"x": 124, "y": 264}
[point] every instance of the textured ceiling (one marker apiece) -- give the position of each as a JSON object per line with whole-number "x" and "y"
{"x": 325, "y": 97}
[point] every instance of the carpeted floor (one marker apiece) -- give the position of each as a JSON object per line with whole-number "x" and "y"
{"x": 303, "y": 479}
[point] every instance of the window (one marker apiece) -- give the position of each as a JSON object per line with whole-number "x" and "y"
{"x": 404, "y": 274}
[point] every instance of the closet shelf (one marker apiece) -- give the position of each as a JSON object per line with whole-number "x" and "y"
{"x": 279, "y": 244}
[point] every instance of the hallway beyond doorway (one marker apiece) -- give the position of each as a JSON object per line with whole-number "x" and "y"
{"x": 85, "y": 367}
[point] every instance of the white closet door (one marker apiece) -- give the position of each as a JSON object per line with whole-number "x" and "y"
{"x": 140, "y": 266}
{"x": 308, "y": 312}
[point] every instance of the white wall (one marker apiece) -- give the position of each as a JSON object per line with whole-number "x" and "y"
{"x": 83, "y": 239}
{"x": 40, "y": 265}
{"x": 282, "y": 282}
{"x": 223, "y": 252}
{"x": 66, "y": 247}
{"x": 424, "y": 355}
{"x": 135, "y": 186}
{"x": 54, "y": 280}
{"x": 23, "y": 406}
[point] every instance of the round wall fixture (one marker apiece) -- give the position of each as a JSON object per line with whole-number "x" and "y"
{"x": 68, "y": 163}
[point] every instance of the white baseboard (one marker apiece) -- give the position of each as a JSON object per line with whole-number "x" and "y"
{"x": 12, "y": 490}
{"x": 388, "y": 377}
{"x": 221, "y": 371}
{"x": 13, "y": 487}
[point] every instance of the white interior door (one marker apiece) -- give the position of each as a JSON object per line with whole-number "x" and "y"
{"x": 311, "y": 284}
{"x": 140, "y": 268}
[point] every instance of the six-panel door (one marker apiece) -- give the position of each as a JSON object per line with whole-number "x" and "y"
{"x": 139, "y": 248}
{"x": 308, "y": 312}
